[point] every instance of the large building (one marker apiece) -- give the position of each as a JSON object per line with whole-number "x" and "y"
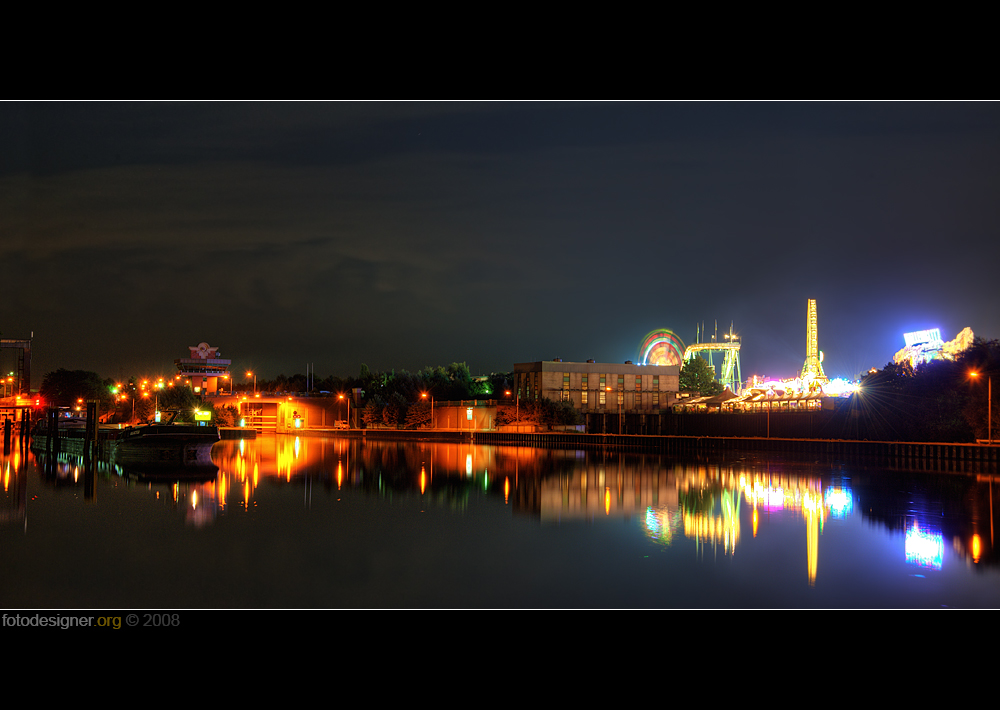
{"x": 599, "y": 387}
{"x": 204, "y": 369}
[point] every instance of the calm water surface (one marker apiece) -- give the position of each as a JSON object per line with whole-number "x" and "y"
{"x": 288, "y": 522}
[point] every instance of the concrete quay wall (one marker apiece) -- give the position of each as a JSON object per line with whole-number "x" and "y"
{"x": 929, "y": 456}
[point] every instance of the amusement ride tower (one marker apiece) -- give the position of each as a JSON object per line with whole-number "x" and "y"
{"x": 812, "y": 369}
{"x": 730, "y": 378}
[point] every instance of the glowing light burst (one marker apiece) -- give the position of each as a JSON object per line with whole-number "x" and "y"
{"x": 924, "y": 547}
{"x": 840, "y": 387}
{"x": 839, "y": 502}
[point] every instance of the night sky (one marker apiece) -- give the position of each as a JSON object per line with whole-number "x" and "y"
{"x": 402, "y": 235}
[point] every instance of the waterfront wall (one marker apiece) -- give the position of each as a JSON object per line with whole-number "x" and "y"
{"x": 782, "y": 425}
{"x": 929, "y": 456}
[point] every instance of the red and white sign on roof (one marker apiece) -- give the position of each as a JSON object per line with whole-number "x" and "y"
{"x": 202, "y": 351}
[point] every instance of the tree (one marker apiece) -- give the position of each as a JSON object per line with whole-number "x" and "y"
{"x": 228, "y": 416}
{"x": 394, "y": 410}
{"x": 177, "y": 397}
{"x": 418, "y": 414}
{"x": 63, "y": 388}
{"x": 372, "y": 413}
{"x": 499, "y": 383}
{"x": 698, "y": 376}
{"x": 552, "y": 412}
{"x": 979, "y": 366}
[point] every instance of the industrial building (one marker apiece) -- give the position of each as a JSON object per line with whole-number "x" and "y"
{"x": 597, "y": 386}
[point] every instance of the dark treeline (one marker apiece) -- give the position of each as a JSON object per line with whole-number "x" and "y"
{"x": 942, "y": 400}
{"x": 451, "y": 382}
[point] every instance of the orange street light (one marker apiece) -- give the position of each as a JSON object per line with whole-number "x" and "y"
{"x": 989, "y": 405}
{"x": 424, "y": 395}
{"x": 348, "y": 399}
{"x": 517, "y": 406}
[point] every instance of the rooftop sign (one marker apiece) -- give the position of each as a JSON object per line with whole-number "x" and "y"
{"x": 922, "y": 336}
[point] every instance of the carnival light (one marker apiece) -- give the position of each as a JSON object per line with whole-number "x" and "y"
{"x": 924, "y": 547}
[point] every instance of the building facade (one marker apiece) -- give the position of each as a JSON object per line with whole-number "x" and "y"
{"x": 204, "y": 369}
{"x": 599, "y": 387}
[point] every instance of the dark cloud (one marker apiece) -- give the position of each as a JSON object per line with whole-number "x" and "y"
{"x": 408, "y": 234}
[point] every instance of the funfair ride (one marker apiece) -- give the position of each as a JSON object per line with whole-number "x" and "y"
{"x": 661, "y": 347}
{"x": 729, "y": 348}
{"x": 812, "y": 381}
{"x": 812, "y": 368}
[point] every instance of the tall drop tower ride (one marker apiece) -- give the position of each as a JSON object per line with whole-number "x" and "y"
{"x": 813, "y": 367}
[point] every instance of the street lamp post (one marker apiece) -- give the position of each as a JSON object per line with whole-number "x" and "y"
{"x": 424, "y": 396}
{"x": 341, "y": 396}
{"x": 989, "y": 406}
{"x": 517, "y": 406}
{"x": 254, "y": 375}
{"x": 621, "y": 397}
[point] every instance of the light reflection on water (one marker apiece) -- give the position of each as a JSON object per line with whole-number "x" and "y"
{"x": 289, "y": 521}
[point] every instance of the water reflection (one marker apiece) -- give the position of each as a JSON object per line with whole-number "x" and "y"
{"x": 701, "y": 502}
{"x": 779, "y": 524}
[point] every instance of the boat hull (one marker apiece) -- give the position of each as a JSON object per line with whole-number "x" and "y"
{"x": 187, "y": 446}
